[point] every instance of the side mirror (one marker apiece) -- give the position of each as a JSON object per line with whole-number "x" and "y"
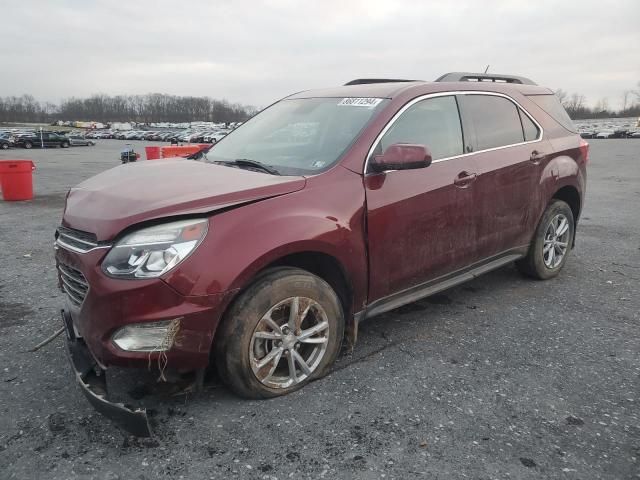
{"x": 402, "y": 156}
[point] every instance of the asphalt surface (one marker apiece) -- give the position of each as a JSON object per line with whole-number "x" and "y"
{"x": 503, "y": 377}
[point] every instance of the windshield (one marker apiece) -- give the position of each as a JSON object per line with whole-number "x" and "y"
{"x": 299, "y": 136}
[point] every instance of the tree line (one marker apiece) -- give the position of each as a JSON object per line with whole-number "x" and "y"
{"x": 576, "y": 105}
{"x": 160, "y": 107}
{"x": 154, "y": 107}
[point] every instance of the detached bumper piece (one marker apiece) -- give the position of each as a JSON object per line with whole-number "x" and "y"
{"x": 92, "y": 381}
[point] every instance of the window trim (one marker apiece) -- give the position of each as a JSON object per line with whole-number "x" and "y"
{"x": 460, "y": 122}
{"x": 460, "y": 113}
{"x": 524, "y": 132}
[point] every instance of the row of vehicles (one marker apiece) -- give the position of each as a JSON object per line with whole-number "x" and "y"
{"x": 611, "y": 128}
{"x": 34, "y": 139}
{"x": 610, "y": 133}
{"x": 189, "y": 135}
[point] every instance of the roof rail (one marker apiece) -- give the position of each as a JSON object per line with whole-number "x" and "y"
{"x": 483, "y": 77}
{"x": 364, "y": 81}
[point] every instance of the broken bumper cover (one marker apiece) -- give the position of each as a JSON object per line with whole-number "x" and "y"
{"x": 92, "y": 381}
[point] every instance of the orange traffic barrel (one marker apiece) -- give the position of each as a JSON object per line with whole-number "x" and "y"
{"x": 16, "y": 179}
{"x": 179, "y": 150}
{"x": 153, "y": 153}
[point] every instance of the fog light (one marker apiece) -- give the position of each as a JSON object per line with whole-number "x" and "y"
{"x": 147, "y": 337}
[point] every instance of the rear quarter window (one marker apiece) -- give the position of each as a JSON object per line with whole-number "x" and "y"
{"x": 531, "y": 131}
{"x": 551, "y": 104}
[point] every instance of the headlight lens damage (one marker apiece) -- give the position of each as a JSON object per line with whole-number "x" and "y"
{"x": 152, "y": 252}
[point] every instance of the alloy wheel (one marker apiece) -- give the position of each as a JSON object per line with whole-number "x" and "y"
{"x": 556, "y": 241}
{"x": 289, "y": 342}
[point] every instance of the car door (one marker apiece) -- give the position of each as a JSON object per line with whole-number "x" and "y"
{"x": 508, "y": 150}
{"x": 420, "y": 222}
{"x": 43, "y": 139}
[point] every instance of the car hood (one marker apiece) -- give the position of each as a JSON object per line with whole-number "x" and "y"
{"x": 135, "y": 192}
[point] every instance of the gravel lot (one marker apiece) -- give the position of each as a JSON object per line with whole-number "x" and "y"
{"x": 502, "y": 377}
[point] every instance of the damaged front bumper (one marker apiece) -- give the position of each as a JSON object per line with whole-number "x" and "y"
{"x": 92, "y": 380}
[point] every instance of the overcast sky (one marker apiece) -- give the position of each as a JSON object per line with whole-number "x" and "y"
{"x": 256, "y": 52}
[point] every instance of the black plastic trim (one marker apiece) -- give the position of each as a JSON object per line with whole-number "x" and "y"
{"x": 92, "y": 381}
{"x": 444, "y": 282}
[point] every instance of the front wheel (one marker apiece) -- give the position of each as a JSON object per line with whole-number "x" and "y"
{"x": 5, "y": 146}
{"x": 65, "y": 145}
{"x": 551, "y": 243}
{"x": 27, "y": 145}
{"x": 281, "y": 333}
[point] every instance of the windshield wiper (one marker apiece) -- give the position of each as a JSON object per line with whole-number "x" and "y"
{"x": 247, "y": 162}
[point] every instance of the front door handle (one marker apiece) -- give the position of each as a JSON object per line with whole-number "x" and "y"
{"x": 464, "y": 179}
{"x": 536, "y": 157}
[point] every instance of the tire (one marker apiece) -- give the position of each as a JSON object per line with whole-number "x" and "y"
{"x": 239, "y": 346}
{"x": 5, "y": 146}
{"x": 543, "y": 261}
{"x": 64, "y": 144}
{"x": 28, "y": 145}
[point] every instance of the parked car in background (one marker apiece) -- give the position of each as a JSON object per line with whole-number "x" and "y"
{"x": 79, "y": 140}
{"x": 214, "y": 137}
{"x": 6, "y": 141}
{"x": 605, "y": 134}
{"x": 42, "y": 139}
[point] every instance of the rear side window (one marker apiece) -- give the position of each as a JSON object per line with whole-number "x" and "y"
{"x": 551, "y": 104}
{"x": 434, "y": 122}
{"x": 496, "y": 120}
{"x": 531, "y": 130}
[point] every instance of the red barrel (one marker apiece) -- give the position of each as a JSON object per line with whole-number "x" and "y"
{"x": 16, "y": 179}
{"x": 153, "y": 153}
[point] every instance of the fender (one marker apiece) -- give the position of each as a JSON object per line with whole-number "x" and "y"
{"x": 324, "y": 217}
{"x": 561, "y": 171}
{"x": 557, "y": 173}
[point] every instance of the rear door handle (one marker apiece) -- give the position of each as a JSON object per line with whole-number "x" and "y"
{"x": 464, "y": 179}
{"x": 536, "y": 157}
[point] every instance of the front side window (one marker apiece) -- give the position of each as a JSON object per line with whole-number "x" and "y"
{"x": 496, "y": 121}
{"x": 433, "y": 122}
{"x": 299, "y": 136}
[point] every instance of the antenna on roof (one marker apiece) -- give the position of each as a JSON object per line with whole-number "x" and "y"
{"x": 487, "y": 69}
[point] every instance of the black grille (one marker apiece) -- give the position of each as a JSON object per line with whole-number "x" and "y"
{"x": 73, "y": 283}
{"x": 76, "y": 240}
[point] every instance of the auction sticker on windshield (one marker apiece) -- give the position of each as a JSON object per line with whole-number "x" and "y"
{"x": 359, "y": 102}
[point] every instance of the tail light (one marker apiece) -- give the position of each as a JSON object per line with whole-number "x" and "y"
{"x": 584, "y": 150}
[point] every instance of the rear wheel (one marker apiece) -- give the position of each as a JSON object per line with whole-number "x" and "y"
{"x": 5, "y": 146}
{"x": 551, "y": 244}
{"x": 281, "y": 333}
{"x": 28, "y": 145}
{"x": 65, "y": 145}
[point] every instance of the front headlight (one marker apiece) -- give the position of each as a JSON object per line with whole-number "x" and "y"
{"x": 152, "y": 252}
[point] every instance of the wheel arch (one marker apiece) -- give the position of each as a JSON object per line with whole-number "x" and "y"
{"x": 319, "y": 263}
{"x": 570, "y": 195}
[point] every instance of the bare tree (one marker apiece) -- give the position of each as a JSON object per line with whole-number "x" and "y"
{"x": 602, "y": 105}
{"x": 625, "y": 99}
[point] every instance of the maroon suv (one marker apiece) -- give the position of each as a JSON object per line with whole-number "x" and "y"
{"x": 327, "y": 208}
